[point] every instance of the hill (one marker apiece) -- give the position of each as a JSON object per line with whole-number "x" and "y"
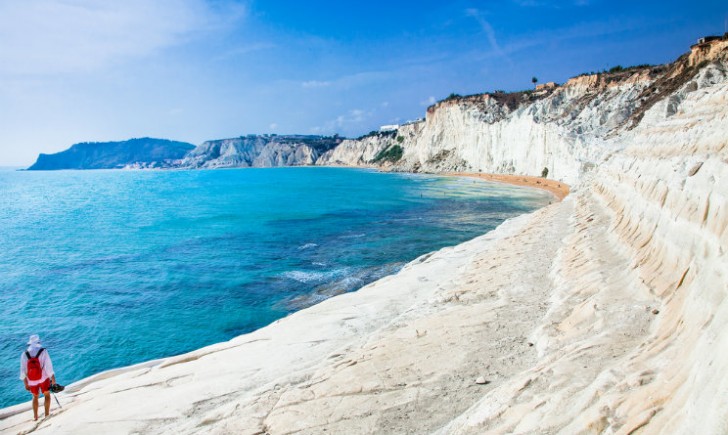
{"x": 143, "y": 152}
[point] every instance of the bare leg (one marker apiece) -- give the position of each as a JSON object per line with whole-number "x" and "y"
{"x": 47, "y": 403}
{"x": 35, "y": 406}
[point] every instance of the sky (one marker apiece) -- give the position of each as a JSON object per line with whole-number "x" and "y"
{"x": 194, "y": 70}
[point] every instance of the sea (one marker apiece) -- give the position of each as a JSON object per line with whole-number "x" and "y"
{"x": 116, "y": 267}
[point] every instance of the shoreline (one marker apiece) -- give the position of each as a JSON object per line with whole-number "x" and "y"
{"x": 557, "y": 188}
{"x": 79, "y": 385}
{"x": 316, "y": 335}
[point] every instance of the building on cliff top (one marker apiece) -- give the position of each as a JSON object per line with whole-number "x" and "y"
{"x": 707, "y": 40}
{"x": 413, "y": 121}
{"x": 704, "y": 45}
{"x": 385, "y": 128}
{"x": 545, "y": 86}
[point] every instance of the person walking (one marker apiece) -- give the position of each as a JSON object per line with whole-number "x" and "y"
{"x": 36, "y": 371}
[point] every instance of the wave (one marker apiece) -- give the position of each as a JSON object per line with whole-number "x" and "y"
{"x": 307, "y": 246}
{"x": 312, "y": 276}
{"x": 345, "y": 281}
{"x": 353, "y": 236}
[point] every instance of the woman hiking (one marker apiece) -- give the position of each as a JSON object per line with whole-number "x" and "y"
{"x": 36, "y": 371}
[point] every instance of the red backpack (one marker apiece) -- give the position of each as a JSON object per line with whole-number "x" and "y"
{"x": 35, "y": 368}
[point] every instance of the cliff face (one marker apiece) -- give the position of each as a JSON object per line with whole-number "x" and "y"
{"x": 481, "y": 133}
{"x": 144, "y": 152}
{"x": 247, "y": 151}
{"x": 259, "y": 151}
{"x": 634, "y": 338}
{"x": 568, "y": 130}
{"x": 665, "y": 195}
{"x": 356, "y": 152}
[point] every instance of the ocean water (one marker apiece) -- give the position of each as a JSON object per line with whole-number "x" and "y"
{"x": 113, "y": 268}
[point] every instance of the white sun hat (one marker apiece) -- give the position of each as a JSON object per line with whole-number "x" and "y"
{"x": 34, "y": 339}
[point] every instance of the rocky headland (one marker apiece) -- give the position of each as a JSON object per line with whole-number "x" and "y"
{"x": 142, "y": 153}
{"x": 605, "y": 313}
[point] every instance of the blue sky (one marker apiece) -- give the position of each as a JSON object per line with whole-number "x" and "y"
{"x": 193, "y": 70}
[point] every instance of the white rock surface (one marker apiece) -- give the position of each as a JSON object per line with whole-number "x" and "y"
{"x": 258, "y": 151}
{"x": 358, "y": 153}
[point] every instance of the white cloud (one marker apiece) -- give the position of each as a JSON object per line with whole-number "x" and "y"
{"x": 487, "y": 28}
{"x": 345, "y": 123}
{"x": 363, "y": 78}
{"x": 245, "y": 49}
{"x": 349, "y": 81}
{"x": 354, "y": 116}
{"x": 312, "y": 84}
{"x": 66, "y": 36}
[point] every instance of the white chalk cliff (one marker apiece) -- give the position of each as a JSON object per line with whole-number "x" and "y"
{"x": 606, "y": 313}
{"x": 259, "y": 151}
{"x": 568, "y": 129}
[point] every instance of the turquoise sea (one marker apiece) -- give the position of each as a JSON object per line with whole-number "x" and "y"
{"x": 113, "y": 268}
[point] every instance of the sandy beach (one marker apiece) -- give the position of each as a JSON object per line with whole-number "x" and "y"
{"x": 559, "y": 189}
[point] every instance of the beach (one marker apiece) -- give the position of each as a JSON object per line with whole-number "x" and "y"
{"x": 559, "y": 189}
{"x": 181, "y": 277}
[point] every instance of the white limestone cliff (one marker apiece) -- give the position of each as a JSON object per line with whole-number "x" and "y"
{"x": 568, "y": 130}
{"x": 259, "y": 151}
{"x": 356, "y": 152}
{"x": 635, "y": 339}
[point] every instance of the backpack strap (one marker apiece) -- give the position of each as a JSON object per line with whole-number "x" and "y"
{"x": 27, "y": 354}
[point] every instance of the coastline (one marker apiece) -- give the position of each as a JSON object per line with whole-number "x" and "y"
{"x": 80, "y": 385}
{"x": 557, "y": 188}
{"x": 516, "y": 330}
{"x": 342, "y": 321}
{"x": 540, "y": 324}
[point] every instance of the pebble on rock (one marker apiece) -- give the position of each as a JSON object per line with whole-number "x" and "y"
{"x": 481, "y": 381}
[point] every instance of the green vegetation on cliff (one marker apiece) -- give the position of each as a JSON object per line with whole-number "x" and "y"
{"x": 389, "y": 154}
